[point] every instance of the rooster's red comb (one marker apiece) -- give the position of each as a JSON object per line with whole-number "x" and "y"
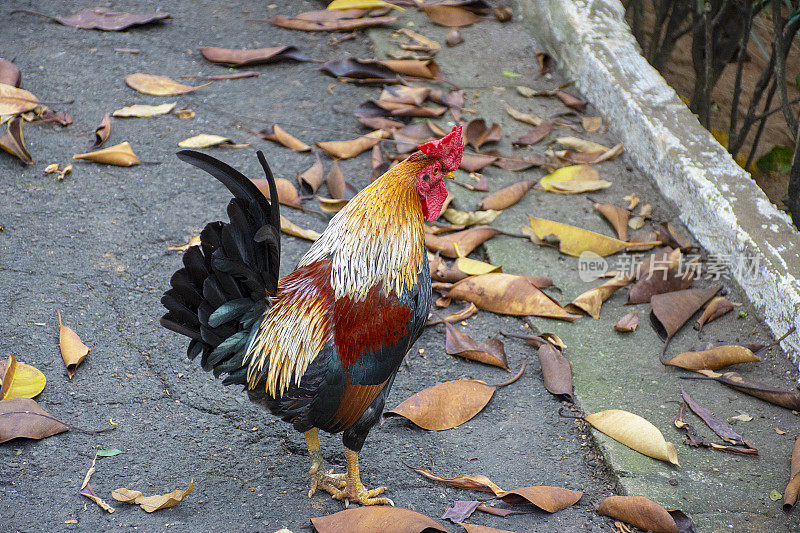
{"x": 448, "y": 149}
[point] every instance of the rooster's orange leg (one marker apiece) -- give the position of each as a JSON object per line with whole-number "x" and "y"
{"x": 321, "y": 477}
{"x": 355, "y": 492}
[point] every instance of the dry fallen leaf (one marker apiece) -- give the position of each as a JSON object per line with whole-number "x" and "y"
{"x": 789, "y": 399}
{"x": 290, "y": 228}
{"x": 450, "y": 16}
{"x": 13, "y": 142}
{"x": 591, "y": 300}
{"x": 627, "y": 323}
{"x": 193, "y": 241}
{"x": 9, "y": 73}
{"x": 331, "y": 205}
{"x": 339, "y": 188}
{"x": 571, "y": 101}
{"x": 158, "y": 85}
{"x": 536, "y": 134}
{"x": 574, "y": 241}
{"x": 376, "y": 518}
{"x": 592, "y": 124}
{"x": 634, "y": 432}
{"x": 243, "y": 57}
{"x": 14, "y": 100}
{"x": 153, "y": 503}
{"x": 722, "y": 429}
{"x": 659, "y": 273}
{"x": 714, "y": 358}
{"x": 523, "y": 117}
{"x": 469, "y": 481}
{"x": 581, "y": 145}
{"x": 120, "y": 155}
{"x": 640, "y": 512}
{"x": 311, "y": 179}
{"x": 793, "y": 488}
{"x": 348, "y": 149}
{"x": 556, "y": 370}
{"x": 477, "y": 134}
{"x": 573, "y": 179}
{"x": 335, "y": 24}
{"x": 19, "y": 380}
{"x": 466, "y": 240}
{"x": 86, "y": 488}
{"x": 508, "y": 294}
{"x": 102, "y": 131}
{"x": 618, "y": 218}
{"x": 60, "y": 170}
{"x": 550, "y": 499}
{"x": 491, "y": 352}
{"x": 507, "y": 196}
{"x": 73, "y": 351}
{"x": 102, "y": 18}
{"x": 143, "y": 111}
{"x": 476, "y": 162}
{"x": 22, "y": 417}
{"x": 671, "y": 310}
{"x": 277, "y": 134}
{"x": 446, "y": 405}
{"x": 469, "y": 218}
{"x": 473, "y": 267}
{"x": 718, "y": 306}
{"x": 287, "y": 193}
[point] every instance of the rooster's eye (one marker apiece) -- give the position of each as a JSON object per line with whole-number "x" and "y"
{"x": 425, "y": 177}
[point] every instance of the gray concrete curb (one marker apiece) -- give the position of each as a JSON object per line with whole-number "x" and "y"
{"x": 725, "y": 210}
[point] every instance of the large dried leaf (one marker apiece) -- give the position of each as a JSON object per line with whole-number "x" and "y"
{"x": 469, "y": 481}
{"x": 476, "y": 162}
{"x": 277, "y": 134}
{"x": 793, "y": 488}
{"x": 404, "y": 94}
{"x": 120, "y": 155}
{"x": 102, "y": 131}
{"x": 491, "y": 352}
{"x": 287, "y": 193}
{"x": 640, "y": 512}
{"x": 22, "y": 417}
{"x": 14, "y": 100}
{"x": 446, "y": 405}
{"x": 348, "y": 149}
{"x": 153, "y": 503}
{"x": 19, "y": 380}
{"x": 618, "y": 218}
{"x": 714, "y": 358}
{"x": 158, "y": 85}
{"x": 473, "y": 267}
{"x": 634, "y": 432}
{"x": 376, "y": 518}
{"x": 144, "y": 111}
{"x": 102, "y": 18}
{"x": 508, "y": 294}
{"x": 311, "y": 179}
{"x": 507, "y": 196}
{"x": 581, "y": 145}
{"x": 550, "y": 499}
{"x": 536, "y": 134}
{"x": 591, "y": 300}
{"x": 573, "y": 179}
{"x": 571, "y": 101}
{"x": 9, "y": 74}
{"x": 298, "y": 23}
{"x": 527, "y": 118}
{"x": 574, "y": 241}
{"x": 788, "y": 399}
{"x": 556, "y": 370}
{"x": 243, "y": 57}
{"x": 419, "y": 68}
{"x": 718, "y": 306}
{"x": 450, "y": 16}
{"x": 477, "y": 134}
{"x": 660, "y": 273}
{"x": 466, "y": 240}
{"x": 290, "y": 228}
{"x": 13, "y": 142}
{"x": 73, "y": 351}
{"x": 671, "y": 310}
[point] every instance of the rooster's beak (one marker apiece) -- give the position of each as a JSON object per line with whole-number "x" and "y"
{"x": 450, "y": 176}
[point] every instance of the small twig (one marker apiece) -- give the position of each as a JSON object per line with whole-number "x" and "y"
{"x": 515, "y": 378}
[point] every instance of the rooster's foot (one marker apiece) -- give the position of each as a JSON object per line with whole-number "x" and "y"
{"x": 327, "y": 481}
{"x": 357, "y": 493}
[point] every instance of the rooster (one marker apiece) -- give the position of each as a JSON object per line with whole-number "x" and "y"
{"x": 321, "y": 346}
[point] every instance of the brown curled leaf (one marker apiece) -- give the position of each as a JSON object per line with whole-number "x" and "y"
{"x": 491, "y": 352}
{"x": 574, "y": 241}
{"x": 789, "y": 399}
{"x": 713, "y": 358}
{"x": 590, "y": 301}
{"x": 556, "y": 370}
{"x": 640, "y": 512}
{"x": 634, "y": 432}
{"x": 671, "y": 310}
{"x": 628, "y": 323}
{"x": 311, "y": 179}
{"x": 450, "y": 16}
{"x": 476, "y": 133}
{"x": 14, "y": 100}
{"x": 618, "y": 218}
{"x": 469, "y": 481}
{"x": 13, "y": 141}
{"x": 339, "y": 188}
{"x": 446, "y": 405}
{"x": 153, "y": 503}
{"x": 469, "y": 310}
{"x": 572, "y": 101}
{"x": 9, "y": 73}
{"x": 290, "y": 228}
{"x": 550, "y": 499}
{"x": 538, "y": 133}
{"x": 348, "y": 149}
{"x": 466, "y": 240}
{"x": 507, "y": 196}
{"x": 718, "y": 306}
{"x": 277, "y": 134}
{"x": 287, "y": 193}
{"x": 22, "y": 417}
{"x": 793, "y": 488}
{"x": 73, "y": 350}
{"x": 102, "y": 132}
{"x": 120, "y": 155}
{"x": 158, "y": 85}
{"x": 298, "y": 23}
{"x": 243, "y": 57}
{"x": 102, "y": 18}
{"x": 376, "y": 518}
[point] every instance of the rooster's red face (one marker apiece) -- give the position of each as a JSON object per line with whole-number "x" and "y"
{"x": 432, "y": 192}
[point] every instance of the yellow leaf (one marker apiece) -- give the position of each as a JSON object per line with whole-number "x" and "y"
{"x": 361, "y": 4}
{"x": 20, "y": 380}
{"x": 573, "y": 179}
{"x": 473, "y": 267}
{"x": 581, "y": 145}
{"x": 73, "y": 351}
{"x": 523, "y": 117}
{"x": 348, "y": 149}
{"x": 205, "y": 140}
{"x": 470, "y": 218}
{"x": 144, "y": 111}
{"x": 331, "y": 205}
{"x": 634, "y": 432}
{"x": 13, "y": 142}
{"x": 290, "y": 228}
{"x": 574, "y": 241}
{"x": 194, "y": 241}
{"x": 591, "y": 300}
{"x": 120, "y": 155}
{"x": 14, "y": 100}
{"x": 158, "y": 85}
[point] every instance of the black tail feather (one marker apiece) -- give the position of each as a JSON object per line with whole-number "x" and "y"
{"x": 222, "y": 289}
